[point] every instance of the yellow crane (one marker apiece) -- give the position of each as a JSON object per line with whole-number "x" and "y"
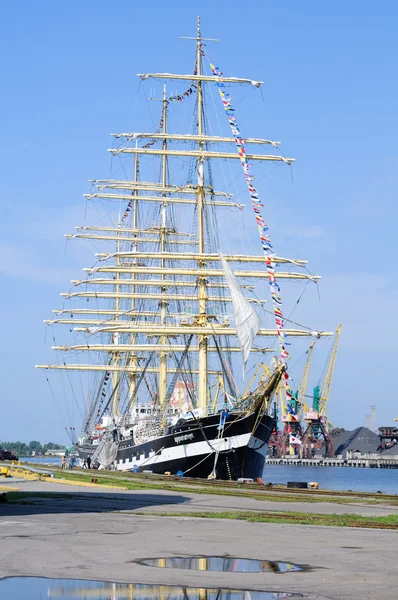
{"x": 304, "y": 381}
{"x": 298, "y": 403}
{"x": 316, "y": 418}
{"x": 327, "y": 382}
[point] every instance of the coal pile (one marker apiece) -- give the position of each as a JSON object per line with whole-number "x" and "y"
{"x": 362, "y": 440}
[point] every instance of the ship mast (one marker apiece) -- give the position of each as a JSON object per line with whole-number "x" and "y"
{"x": 163, "y": 233}
{"x": 133, "y": 357}
{"x": 115, "y": 336}
{"x": 202, "y": 295}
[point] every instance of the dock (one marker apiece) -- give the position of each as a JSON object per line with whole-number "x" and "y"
{"x": 372, "y": 461}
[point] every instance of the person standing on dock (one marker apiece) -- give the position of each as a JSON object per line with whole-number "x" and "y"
{"x": 63, "y": 466}
{"x": 88, "y": 461}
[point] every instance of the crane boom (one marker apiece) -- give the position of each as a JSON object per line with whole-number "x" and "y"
{"x": 304, "y": 377}
{"x": 324, "y": 397}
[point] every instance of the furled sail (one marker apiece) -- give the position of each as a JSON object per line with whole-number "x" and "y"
{"x": 247, "y": 321}
{"x": 108, "y": 454}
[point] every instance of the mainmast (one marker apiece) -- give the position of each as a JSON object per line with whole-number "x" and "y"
{"x": 133, "y": 357}
{"x": 202, "y": 293}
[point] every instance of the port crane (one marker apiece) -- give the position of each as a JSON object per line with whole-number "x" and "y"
{"x": 292, "y": 414}
{"x": 317, "y": 424}
{"x": 304, "y": 379}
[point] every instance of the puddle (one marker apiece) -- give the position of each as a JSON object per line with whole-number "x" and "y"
{"x": 35, "y": 588}
{"x": 221, "y": 564}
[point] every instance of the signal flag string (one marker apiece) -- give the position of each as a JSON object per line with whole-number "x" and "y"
{"x": 261, "y": 224}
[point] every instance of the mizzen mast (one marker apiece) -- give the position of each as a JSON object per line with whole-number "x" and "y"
{"x": 163, "y": 233}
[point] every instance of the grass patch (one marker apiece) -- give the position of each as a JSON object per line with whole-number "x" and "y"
{"x": 293, "y": 518}
{"x": 101, "y": 480}
{"x": 231, "y": 488}
{"x": 285, "y": 517}
{"x": 118, "y": 480}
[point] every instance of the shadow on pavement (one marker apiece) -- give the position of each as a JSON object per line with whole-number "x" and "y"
{"x": 33, "y": 503}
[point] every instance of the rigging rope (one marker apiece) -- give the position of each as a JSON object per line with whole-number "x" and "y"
{"x": 231, "y": 387}
{"x": 175, "y": 376}
{"x": 58, "y": 406}
{"x": 142, "y": 376}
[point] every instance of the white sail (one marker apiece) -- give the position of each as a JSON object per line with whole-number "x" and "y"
{"x": 108, "y": 454}
{"x": 247, "y": 321}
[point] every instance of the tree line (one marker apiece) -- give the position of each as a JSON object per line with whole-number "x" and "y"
{"x": 27, "y": 449}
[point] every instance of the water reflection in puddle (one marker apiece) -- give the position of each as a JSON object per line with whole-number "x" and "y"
{"x": 228, "y": 564}
{"x": 32, "y": 588}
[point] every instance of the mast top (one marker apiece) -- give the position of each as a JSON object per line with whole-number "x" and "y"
{"x": 199, "y": 37}
{"x": 198, "y": 76}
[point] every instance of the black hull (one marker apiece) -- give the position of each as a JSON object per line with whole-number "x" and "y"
{"x": 197, "y": 451}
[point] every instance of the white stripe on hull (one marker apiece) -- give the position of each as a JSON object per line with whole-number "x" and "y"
{"x": 189, "y": 450}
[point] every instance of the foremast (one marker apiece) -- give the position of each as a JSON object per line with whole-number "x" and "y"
{"x": 115, "y": 337}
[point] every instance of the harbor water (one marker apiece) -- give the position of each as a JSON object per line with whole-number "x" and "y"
{"x": 331, "y": 478}
{"x": 336, "y": 478}
{"x": 55, "y": 461}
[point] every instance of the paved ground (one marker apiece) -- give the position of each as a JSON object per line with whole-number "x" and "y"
{"x": 176, "y": 502}
{"x": 99, "y": 537}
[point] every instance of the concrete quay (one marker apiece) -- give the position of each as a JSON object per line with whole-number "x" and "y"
{"x": 371, "y": 461}
{"x": 97, "y": 534}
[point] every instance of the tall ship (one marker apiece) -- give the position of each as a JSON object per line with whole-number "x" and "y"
{"x": 166, "y": 334}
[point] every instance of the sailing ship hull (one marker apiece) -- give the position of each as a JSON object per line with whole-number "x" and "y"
{"x": 198, "y": 448}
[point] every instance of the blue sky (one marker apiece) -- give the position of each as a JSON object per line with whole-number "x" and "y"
{"x": 330, "y": 95}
